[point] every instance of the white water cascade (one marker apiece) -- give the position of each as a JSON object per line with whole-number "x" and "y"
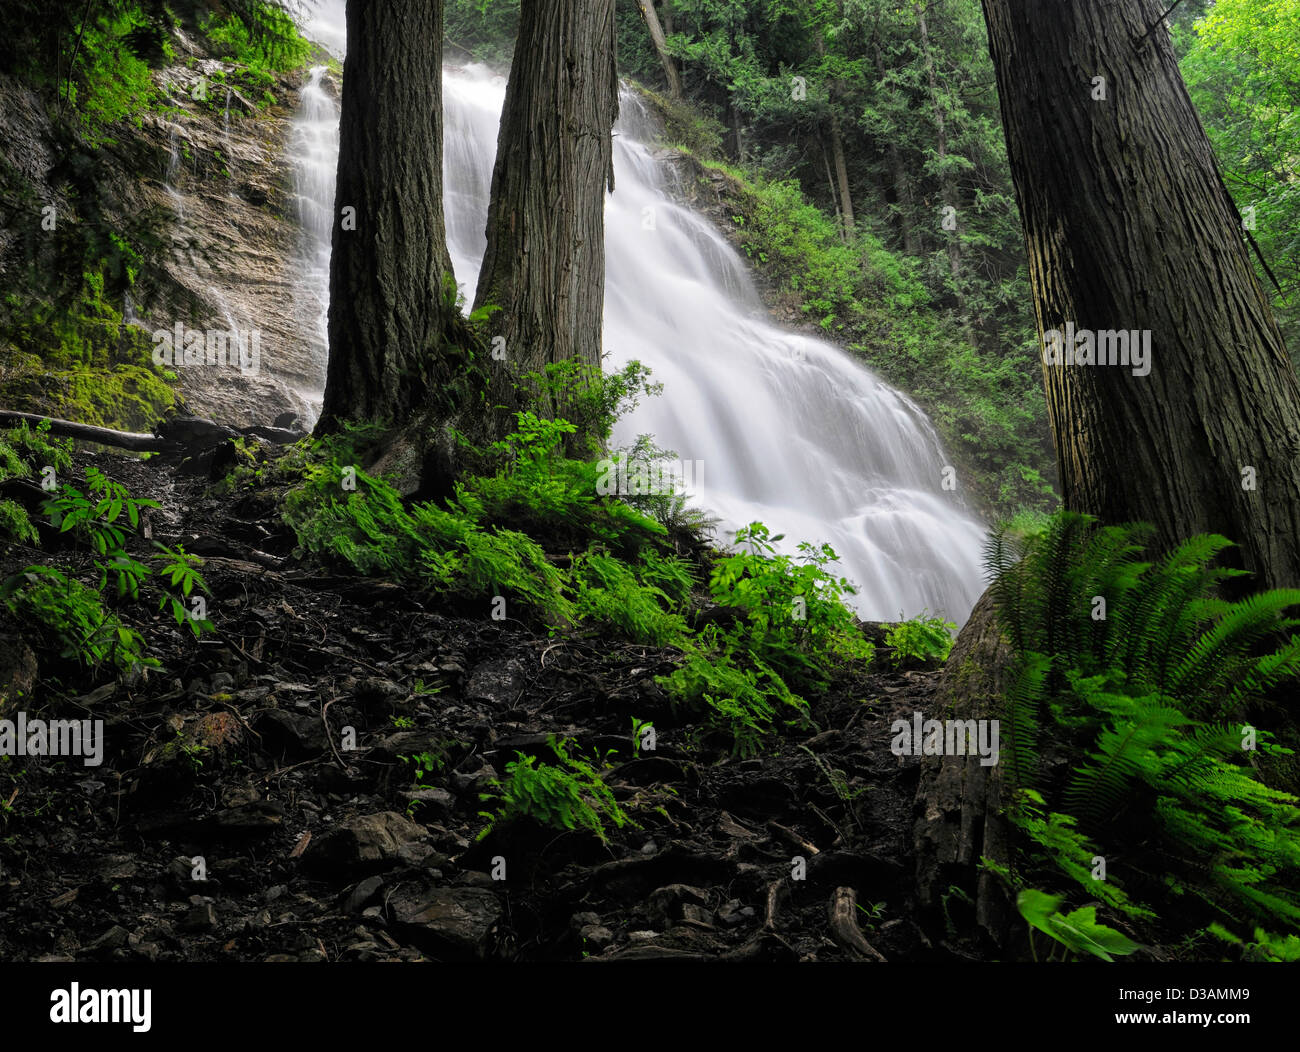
{"x": 789, "y": 430}
{"x": 315, "y": 145}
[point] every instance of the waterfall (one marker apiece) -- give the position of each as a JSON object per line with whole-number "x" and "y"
{"x": 173, "y": 172}
{"x": 788, "y": 429}
{"x": 315, "y": 145}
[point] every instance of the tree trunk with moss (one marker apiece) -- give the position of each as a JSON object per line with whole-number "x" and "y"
{"x": 958, "y": 816}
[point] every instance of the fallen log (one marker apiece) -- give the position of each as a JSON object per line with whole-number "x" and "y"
{"x": 106, "y": 436}
{"x": 189, "y": 433}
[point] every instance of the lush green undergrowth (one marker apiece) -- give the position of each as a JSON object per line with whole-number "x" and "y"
{"x": 63, "y": 615}
{"x": 531, "y": 538}
{"x": 81, "y": 361}
{"x": 1139, "y": 773}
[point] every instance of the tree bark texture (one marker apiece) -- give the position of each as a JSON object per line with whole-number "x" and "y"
{"x": 1128, "y": 227}
{"x": 392, "y": 297}
{"x": 958, "y": 811}
{"x": 545, "y": 261}
{"x": 660, "y": 42}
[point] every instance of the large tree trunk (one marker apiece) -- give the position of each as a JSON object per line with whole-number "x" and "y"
{"x": 660, "y": 42}
{"x": 1128, "y": 227}
{"x": 545, "y": 261}
{"x": 390, "y": 308}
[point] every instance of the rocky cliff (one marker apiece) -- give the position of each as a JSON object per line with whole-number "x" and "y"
{"x": 201, "y": 187}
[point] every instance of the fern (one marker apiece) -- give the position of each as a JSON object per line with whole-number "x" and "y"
{"x": 1148, "y": 692}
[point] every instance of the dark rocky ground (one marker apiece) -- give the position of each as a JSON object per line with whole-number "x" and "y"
{"x": 234, "y": 753}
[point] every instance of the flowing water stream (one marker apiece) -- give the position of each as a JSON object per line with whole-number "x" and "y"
{"x": 315, "y": 146}
{"x": 784, "y": 428}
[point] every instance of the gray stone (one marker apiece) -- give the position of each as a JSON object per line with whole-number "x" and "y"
{"x": 459, "y": 920}
{"x": 666, "y": 904}
{"x": 471, "y": 783}
{"x": 297, "y": 733}
{"x": 363, "y": 893}
{"x": 113, "y": 939}
{"x": 729, "y": 914}
{"x": 414, "y": 854}
{"x": 378, "y": 692}
{"x": 432, "y": 800}
{"x": 363, "y": 842}
{"x": 201, "y": 916}
{"x": 259, "y": 816}
{"x": 595, "y": 937}
{"x": 498, "y": 682}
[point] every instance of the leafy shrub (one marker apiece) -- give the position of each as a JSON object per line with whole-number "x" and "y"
{"x": 97, "y": 516}
{"x": 743, "y": 702}
{"x": 920, "y": 640}
{"x": 795, "y": 617}
{"x": 1077, "y": 930}
{"x": 571, "y": 795}
{"x": 72, "y": 619}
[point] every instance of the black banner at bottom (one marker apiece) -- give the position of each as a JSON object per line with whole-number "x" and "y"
{"x": 295, "y": 1001}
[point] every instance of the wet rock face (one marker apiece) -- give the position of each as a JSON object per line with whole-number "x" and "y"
{"x": 223, "y": 168}
{"x": 215, "y": 175}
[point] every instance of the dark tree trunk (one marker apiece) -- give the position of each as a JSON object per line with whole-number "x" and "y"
{"x": 660, "y": 42}
{"x": 545, "y": 261}
{"x": 1128, "y": 227}
{"x": 391, "y": 310}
